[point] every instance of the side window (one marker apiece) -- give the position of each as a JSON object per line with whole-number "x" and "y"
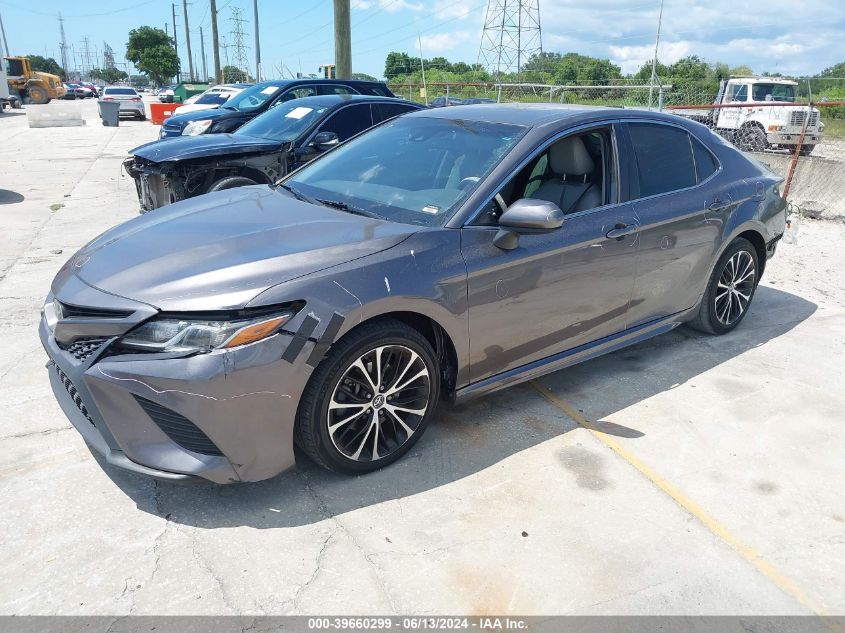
{"x": 348, "y": 121}
{"x": 577, "y": 173}
{"x": 298, "y": 93}
{"x": 385, "y": 111}
{"x": 334, "y": 89}
{"x": 739, "y": 92}
{"x": 705, "y": 164}
{"x": 664, "y": 158}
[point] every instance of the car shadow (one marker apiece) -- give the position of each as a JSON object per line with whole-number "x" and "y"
{"x": 10, "y": 197}
{"x": 466, "y": 439}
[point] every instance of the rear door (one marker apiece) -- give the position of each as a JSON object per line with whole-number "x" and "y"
{"x": 672, "y": 188}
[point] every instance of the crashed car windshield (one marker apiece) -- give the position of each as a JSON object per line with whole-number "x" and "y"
{"x": 252, "y": 98}
{"x": 411, "y": 170}
{"x": 283, "y": 122}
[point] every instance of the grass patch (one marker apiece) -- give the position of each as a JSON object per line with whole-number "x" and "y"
{"x": 56, "y": 206}
{"x": 834, "y": 128}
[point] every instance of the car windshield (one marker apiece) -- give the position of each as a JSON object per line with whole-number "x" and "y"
{"x": 284, "y": 122}
{"x": 213, "y": 98}
{"x": 253, "y": 98}
{"x": 773, "y": 92}
{"x": 415, "y": 170}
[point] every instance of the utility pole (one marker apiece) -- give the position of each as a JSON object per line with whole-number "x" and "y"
{"x": 188, "y": 41}
{"x": 63, "y": 46}
{"x": 215, "y": 44}
{"x": 175, "y": 38}
{"x": 6, "y": 44}
{"x": 204, "y": 66}
{"x": 654, "y": 59}
{"x": 257, "y": 43}
{"x": 342, "y": 40}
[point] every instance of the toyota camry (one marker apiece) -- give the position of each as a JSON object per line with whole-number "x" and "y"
{"x": 438, "y": 256}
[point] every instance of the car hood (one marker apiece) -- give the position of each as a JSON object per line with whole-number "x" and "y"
{"x": 220, "y": 250}
{"x": 188, "y": 147}
{"x": 196, "y": 107}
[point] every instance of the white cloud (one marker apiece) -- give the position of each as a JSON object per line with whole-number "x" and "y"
{"x": 449, "y": 9}
{"x": 631, "y": 58}
{"x": 441, "y": 42}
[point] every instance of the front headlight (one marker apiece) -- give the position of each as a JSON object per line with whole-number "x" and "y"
{"x": 196, "y": 127}
{"x": 170, "y": 334}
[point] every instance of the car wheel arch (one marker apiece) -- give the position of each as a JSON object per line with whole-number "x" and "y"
{"x": 749, "y": 232}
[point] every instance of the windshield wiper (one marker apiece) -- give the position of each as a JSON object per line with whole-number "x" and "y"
{"x": 297, "y": 194}
{"x": 343, "y": 206}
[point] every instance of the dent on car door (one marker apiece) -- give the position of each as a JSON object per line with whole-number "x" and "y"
{"x": 556, "y": 290}
{"x": 671, "y": 196}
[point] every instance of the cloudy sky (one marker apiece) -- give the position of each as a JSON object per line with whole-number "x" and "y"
{"x": 775, "y": 35}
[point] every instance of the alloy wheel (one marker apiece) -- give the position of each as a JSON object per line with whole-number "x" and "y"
{"x": 379, "y": 402}
{"x": 735, "y": 287}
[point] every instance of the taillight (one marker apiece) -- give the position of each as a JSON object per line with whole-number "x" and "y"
{"x": 136, "y": 98}
{"x": 107, "y": 99}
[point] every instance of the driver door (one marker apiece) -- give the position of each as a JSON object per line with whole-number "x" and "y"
{"x": 555, "y": 291}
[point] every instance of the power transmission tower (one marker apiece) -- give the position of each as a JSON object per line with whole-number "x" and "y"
{"x": 63, "y": 46}
{"x": 511, "y": 36}
{"x": 108, "y": 56}
{"x": 237, "y": 34}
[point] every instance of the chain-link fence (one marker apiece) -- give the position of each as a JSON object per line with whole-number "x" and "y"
{"x": 776, "y": 120}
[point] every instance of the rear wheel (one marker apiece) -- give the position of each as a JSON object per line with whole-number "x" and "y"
{"x": 231, "y": 182}
{"x": 370, "y": 399}
{"x": 730, "y": 289}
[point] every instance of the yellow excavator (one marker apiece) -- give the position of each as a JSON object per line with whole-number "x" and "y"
{"x": 32, "y": 86}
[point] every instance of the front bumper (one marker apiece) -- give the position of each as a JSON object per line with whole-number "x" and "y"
{"x": 242, "y": 402}
{"x": 791, "y": 138}
{"x": 154, "y": 187}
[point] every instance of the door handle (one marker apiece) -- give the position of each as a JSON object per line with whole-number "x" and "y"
{"x": 719, "y": 205}
{"x": 620, "y": 231}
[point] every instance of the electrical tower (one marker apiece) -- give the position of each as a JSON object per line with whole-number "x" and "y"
{"x": 108, "y": 56}
{"x": 239, "y": 58}
{"x": 511, "y": 36}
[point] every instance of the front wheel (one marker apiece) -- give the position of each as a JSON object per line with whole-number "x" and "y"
{"x": 230, "y": 183}
{"x": 38, "y": 95}
{"x": 730, "y": 289}
{"x": 370, "y": 399}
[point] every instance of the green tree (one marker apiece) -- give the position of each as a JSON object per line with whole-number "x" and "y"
{"x": 837, "y": 70}
{"x": 46, "y": 65}
{"x": 139, "y": 80}
{"x": 108, "y": 75}
{"x": 363, "y": 77}
{"x": 152, "y": 52}
{"x": 234, "y": 74}
{"x": 742, "y": 69}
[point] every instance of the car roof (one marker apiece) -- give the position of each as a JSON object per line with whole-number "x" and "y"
{"x": 305, "y": 80}
{"x": 330, "y": 100}
{"x": 535, "y": 114}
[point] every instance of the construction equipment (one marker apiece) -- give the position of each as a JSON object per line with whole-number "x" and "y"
{"x": 32, "y": 86}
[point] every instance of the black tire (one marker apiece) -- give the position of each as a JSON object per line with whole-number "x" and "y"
{"x": 311, "y": 432}
{"x": 709, "y": 318}
{"x": 38, "y": 95}
{"x": 752, "y": 138}
{"x": 231, "y": 182}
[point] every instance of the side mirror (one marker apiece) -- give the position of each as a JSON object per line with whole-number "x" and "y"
{"x": 325, "y": 140}
{"x": 526, "y": 215}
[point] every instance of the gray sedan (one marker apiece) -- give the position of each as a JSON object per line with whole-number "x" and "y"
{"x": 441, "y": 255}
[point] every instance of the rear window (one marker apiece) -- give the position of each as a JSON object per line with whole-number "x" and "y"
{"x": 664, "y": 158}
{"x": 375, "y": 90}
{"x": 120, "y": 91}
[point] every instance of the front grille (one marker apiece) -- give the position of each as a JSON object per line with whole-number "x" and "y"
{"x": 797, "y": 118}
{"x": 82, "y": 348}
{"x": 82, "y": 312}
{"x": 178, "y": 428}
{"x": 73, "y": 392}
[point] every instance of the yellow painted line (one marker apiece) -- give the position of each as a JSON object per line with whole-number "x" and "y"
{"x": 747, "y": 552}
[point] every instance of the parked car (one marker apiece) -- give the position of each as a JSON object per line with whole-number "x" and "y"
{"x": 165, "y": 94}
{"x": 477, "y": 100}
{"x": 130, "y": 100}
{"x": 94, "y": 91}
{"x": 261, "y": 151}
{"x": 212, "y": 98}
{"x": 442, "y": 102}
{"x": 79, "y": 91}
{"x": 70, "y": 92}
{"x": 443, "y": 254}
{"x": 259, "y": 98}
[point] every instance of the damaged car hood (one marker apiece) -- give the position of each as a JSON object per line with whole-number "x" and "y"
{"x": 222, "y": 249}
{"x": 203, "y": 145}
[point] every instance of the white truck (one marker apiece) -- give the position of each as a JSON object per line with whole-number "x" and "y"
{"x": 761, "y": 113}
